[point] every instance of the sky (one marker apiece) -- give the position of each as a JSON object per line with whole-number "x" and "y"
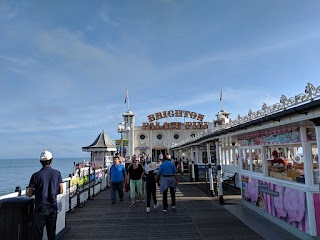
{"x": 65, "y": 65}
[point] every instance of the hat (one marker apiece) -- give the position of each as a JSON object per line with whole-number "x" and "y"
{"x": 45, "y": 155}
{"x": 151, "y": 167}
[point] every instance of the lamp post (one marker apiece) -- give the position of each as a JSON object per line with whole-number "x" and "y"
{"x": 122, "y": 129}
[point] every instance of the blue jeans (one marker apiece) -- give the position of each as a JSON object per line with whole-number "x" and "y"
{"x": 114, "y": 188}
{"x": 45, "y": 217}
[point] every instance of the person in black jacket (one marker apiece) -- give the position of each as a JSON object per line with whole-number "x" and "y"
{"x": 151, "y": 179}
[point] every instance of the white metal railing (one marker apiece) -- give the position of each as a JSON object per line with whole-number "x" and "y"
{"x": 78, "y": 189}
{"x": 310, "y": 93}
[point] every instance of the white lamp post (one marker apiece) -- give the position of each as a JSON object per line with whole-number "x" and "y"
{"x": 122, "y": 129}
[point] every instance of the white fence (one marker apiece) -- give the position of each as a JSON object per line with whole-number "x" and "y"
{"x": 78, "y": 189}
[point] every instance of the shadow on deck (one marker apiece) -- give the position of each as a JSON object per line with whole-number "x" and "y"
{"x": 197, "y": 216}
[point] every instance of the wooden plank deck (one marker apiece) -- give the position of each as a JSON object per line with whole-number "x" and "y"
{"x": 197, "y": 217}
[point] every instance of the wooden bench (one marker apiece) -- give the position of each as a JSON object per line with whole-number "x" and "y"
{"x": 229, "y": 179}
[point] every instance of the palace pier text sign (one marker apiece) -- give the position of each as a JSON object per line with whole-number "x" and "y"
{"x": 175, "y": 125}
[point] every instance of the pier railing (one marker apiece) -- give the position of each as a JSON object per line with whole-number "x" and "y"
{"x": 81, "y": 186}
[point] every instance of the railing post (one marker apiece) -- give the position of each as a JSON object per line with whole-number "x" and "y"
{"x": 18, "y": 190}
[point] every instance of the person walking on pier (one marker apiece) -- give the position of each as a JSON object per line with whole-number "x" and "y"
{"x": 135, "y": 174}
{"x": 143, "y": 180}
{"x": 151, "y": 176}
{"x": 168, "y": 180}
{"x": 117, "y": 177}
{"x": 45, "y": 185}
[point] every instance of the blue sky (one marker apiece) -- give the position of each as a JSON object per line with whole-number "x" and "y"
{"x": 65, "y": 65}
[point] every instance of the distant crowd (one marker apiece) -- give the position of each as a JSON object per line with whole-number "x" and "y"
{"x": 140, "y": 176}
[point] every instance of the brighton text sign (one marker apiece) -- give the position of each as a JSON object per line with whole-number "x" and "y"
{"x": 175, "y": 125}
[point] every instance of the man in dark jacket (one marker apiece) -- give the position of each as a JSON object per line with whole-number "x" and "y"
{"x": 45, "y": 185}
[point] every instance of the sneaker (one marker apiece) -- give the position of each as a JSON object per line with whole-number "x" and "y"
{"x": 173, "y": 207}
{"x": 155, "y": 206}
{"x": 113, "y": 202}
{"x": 132, "y": 206}
{"x": 148, "y": 210}
{"x": 164, "y": 210}
{"x": 121, "y": 200}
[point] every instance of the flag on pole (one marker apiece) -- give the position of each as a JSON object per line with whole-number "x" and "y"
{"x": 220, "y": 95}
{"x": 126, "y": 97}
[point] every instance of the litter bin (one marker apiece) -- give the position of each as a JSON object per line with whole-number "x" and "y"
{"x": 16, "y": 218}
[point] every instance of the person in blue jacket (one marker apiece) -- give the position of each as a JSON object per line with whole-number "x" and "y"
{"x": 168, "y": 180}
{"x": 117, "y": 177}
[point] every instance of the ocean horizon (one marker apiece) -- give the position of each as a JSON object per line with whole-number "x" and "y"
{"x": 17, "y": 172}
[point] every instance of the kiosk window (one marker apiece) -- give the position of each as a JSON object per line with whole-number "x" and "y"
{"x": 286, "y": 163}
{"x": 316, "y": 173}
{"x": 245, "y": 155}
{"x": 257, "y": 160}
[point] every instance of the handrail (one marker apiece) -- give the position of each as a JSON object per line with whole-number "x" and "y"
{"x": 84, "y": 184}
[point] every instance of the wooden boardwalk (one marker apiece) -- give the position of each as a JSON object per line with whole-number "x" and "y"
{"x": 197, "y": 217}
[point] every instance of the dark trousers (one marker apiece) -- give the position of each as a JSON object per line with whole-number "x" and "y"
{"x": 151, "y": 191}
{"x": 45, "y": 217}
{"x": 116, "y": 187}
{"x": 165, "y": 198}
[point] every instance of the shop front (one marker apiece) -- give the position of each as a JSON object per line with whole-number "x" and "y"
{"x": 279, "y": 174}
{"x": 274, "y": 154}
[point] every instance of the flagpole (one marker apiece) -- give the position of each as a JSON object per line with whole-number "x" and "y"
{"x": 221, "y": 100}
{"x": 128, "y": 103}
{"x": 126, "y": 99}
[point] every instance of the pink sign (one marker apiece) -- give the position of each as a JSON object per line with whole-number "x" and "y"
{"x": 284, "y": 203}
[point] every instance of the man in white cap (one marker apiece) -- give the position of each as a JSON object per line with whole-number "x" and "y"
{"x": 45, "y": 185}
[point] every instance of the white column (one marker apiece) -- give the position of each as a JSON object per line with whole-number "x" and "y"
{"x": 309, "y": 195}
{"x": 132, "y": 142}
{"x": 307, "y": 158}
{"x": 197, "y": 155}
{"x": 192, "y": 165}
{"x": 181, "y": 166}
{"x": 210, "y": 169}
{"x": 220, "y": 190}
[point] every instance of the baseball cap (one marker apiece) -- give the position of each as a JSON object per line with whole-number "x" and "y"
{"x": 45, "y": 155}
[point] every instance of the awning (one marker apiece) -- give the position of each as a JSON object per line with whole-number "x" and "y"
{"x": 159, "y": 147}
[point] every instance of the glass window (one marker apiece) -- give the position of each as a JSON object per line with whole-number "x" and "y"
{"x": 286, "y": 163}
{"x": 245, "y": 155}
{"x": 223, "y": 157}
{"x": 316, "y": 173}
{"x": 227, "y": 157}
{"x": 237, "y": 156}
{"x": 159, "y": 136}
{"x": 257, "y": 160}
{"x": 176, "y": 136}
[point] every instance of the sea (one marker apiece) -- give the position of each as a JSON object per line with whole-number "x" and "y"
{"x": 17, "y": 172}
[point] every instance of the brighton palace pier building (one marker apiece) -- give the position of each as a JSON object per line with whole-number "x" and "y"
{"x": 162, "y": 130}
